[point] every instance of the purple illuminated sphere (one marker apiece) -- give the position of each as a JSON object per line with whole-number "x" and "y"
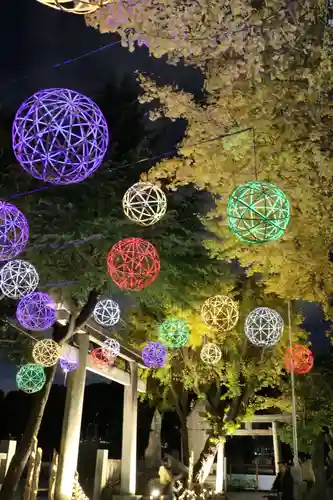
{"x": 154, "y": 355}
{"x": 68, "y": 365}
{"x": 14, "y": 231}
{"x": 60, "y": 136}
{"x": 36, "y": 311}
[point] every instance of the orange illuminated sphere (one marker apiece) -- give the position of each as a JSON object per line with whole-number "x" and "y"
{"x": 298, "y": 359}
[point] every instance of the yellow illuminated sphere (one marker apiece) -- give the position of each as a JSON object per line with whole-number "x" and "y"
{"x": 46, "y": 352}
{"x": 220, "y": 313}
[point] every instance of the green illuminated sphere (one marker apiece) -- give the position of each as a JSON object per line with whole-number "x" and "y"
{"x": 174, "y": 333}
{"x": 30, "y": 378}
{"x": 258, "y": 212}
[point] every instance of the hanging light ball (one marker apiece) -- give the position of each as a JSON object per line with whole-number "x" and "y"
{"x": 258, "y": 212}
{"x": 14, "y": 231}
{"x": 210, "y": 353}
{"x": 174, "y": 333}
{"x": 18, "y": 278}
{"x": 81, "y": 7}
{"x": 30, "y": 378}
{"x": 133, "y": 263}
{"x": 264, "y": 327}
{"x": 59, "y": 136}
{"x": 144, "y": 203}
{"x": 298, "y": 359}
{"x": 111, "y": 348}
{"x": 220, "y": 313}
{"x": 101, "y": 359}
{"x": 154, "y": 355}
{"x": 36, "y": 311}
{"x": 106, "y": 312}
{"x": 68, "y": 363}
{"x": 46, "y": 352}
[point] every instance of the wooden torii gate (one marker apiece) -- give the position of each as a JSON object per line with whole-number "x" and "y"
{"x": 70, "y": 438}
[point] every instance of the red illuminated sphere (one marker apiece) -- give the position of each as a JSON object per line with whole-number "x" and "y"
{"x": 133, "y": 263}
{"x": 298, "y": 359}
{"x": 100, "y": 359}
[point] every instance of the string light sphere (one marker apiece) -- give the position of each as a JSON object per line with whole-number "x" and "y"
{"x": 18, "y": 278}
{"x": 36, "y": 311}
{"x": 107, "y": 312}
{"x": 154, "y": 355}
{"x": 59, "y": 136}
{"x": 298, "y": 359}
{"x": 258, "y": 212}
{"x": 68, "y": 363}
{"x": 30, "y": 378}
{"x": 220, "y": 313}
{"x": 14, "y": 231}
{"x": 174, "y": 333}
{"x": 81, "y": 7}
{"x": 133, "y": 263}
{"x": 144, "y": 203}
{"x": 111, "y": 348}
{"x": 46, "y": 352}
{"x": 101, "y": 359}
{"x": 264, "y": 327}
{"x": 210, "y": 353}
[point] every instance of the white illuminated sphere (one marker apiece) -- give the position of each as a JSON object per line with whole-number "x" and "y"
{"x": 18, "y": 278}
{"x": 46, "y": 352}
{"x": 210, "y": 353}
{"x": 111, "y": 348}
{"x": 220, "y": 313}
{"x": 107, "y": 312}
{"x": 264, "y": 327}
{"x": 144, "y": 203}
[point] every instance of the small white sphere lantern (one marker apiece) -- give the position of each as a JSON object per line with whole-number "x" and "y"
{"x": 107, "y": 312}
{"x": 46, "y": 352}
{"x": 111, "y": 348}
{"x": 220, "y": 313}
{"x": 18, "y": 278}
{"x": 210, "y": 353}
{"x": 264, "y": 327}
{"x": 144, "y": 203}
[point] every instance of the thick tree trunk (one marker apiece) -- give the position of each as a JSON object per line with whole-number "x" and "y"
{"x": 205, "y": 462}
{"x": 185, "y": 443}
{"x": 320, "y": 488}
{"x": 23, "y": 450}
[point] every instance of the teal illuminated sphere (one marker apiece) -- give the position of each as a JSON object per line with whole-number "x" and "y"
{"x": 258, "y": 212}
{"x": 30, "y": 378}
{"x": 174, "y": 333}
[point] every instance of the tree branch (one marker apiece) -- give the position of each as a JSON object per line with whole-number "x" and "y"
{"x": 87, "y": 309}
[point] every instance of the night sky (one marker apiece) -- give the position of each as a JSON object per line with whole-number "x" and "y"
{"x": 35, "y": 39}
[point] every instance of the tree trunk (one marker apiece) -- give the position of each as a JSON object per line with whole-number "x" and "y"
{"x": 185, "y": 443}
{"x": 320, "y": 488}
{"x": 205, "y": 462}
{"x": 23, "y": 450}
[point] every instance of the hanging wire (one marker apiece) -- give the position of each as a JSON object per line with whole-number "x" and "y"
{"x": 293, "y": 393}
{"x": 255, "y": 154}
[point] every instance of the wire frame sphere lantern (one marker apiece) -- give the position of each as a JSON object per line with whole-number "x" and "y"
{"x": 264, "y": 327}
{"x": 14, "y": 231}
{"x": 107, "y": 312}
{"x": 30, "y": 378}
{"x": 258, "y": 212}
{"x": 68, "y": 363}
{"x": 144, "y": 203}
{"x": 298, "y": 359}
{"x": 46, "y": 352}
{"x": 210, "y": 353}
{"x": 174, "y": 333}
{"x": 133, "y": 263}
{"x": 60, "y": 136}
{"x": 36, "y": 311}
{"x": 18, "y": 278}
{"x": 81, "y": 7}
{"x": 111, "y": 348}
{"x": 154, "y": 355}
{"x": 220, "y": 313}
{"x": 101, "y": 359}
